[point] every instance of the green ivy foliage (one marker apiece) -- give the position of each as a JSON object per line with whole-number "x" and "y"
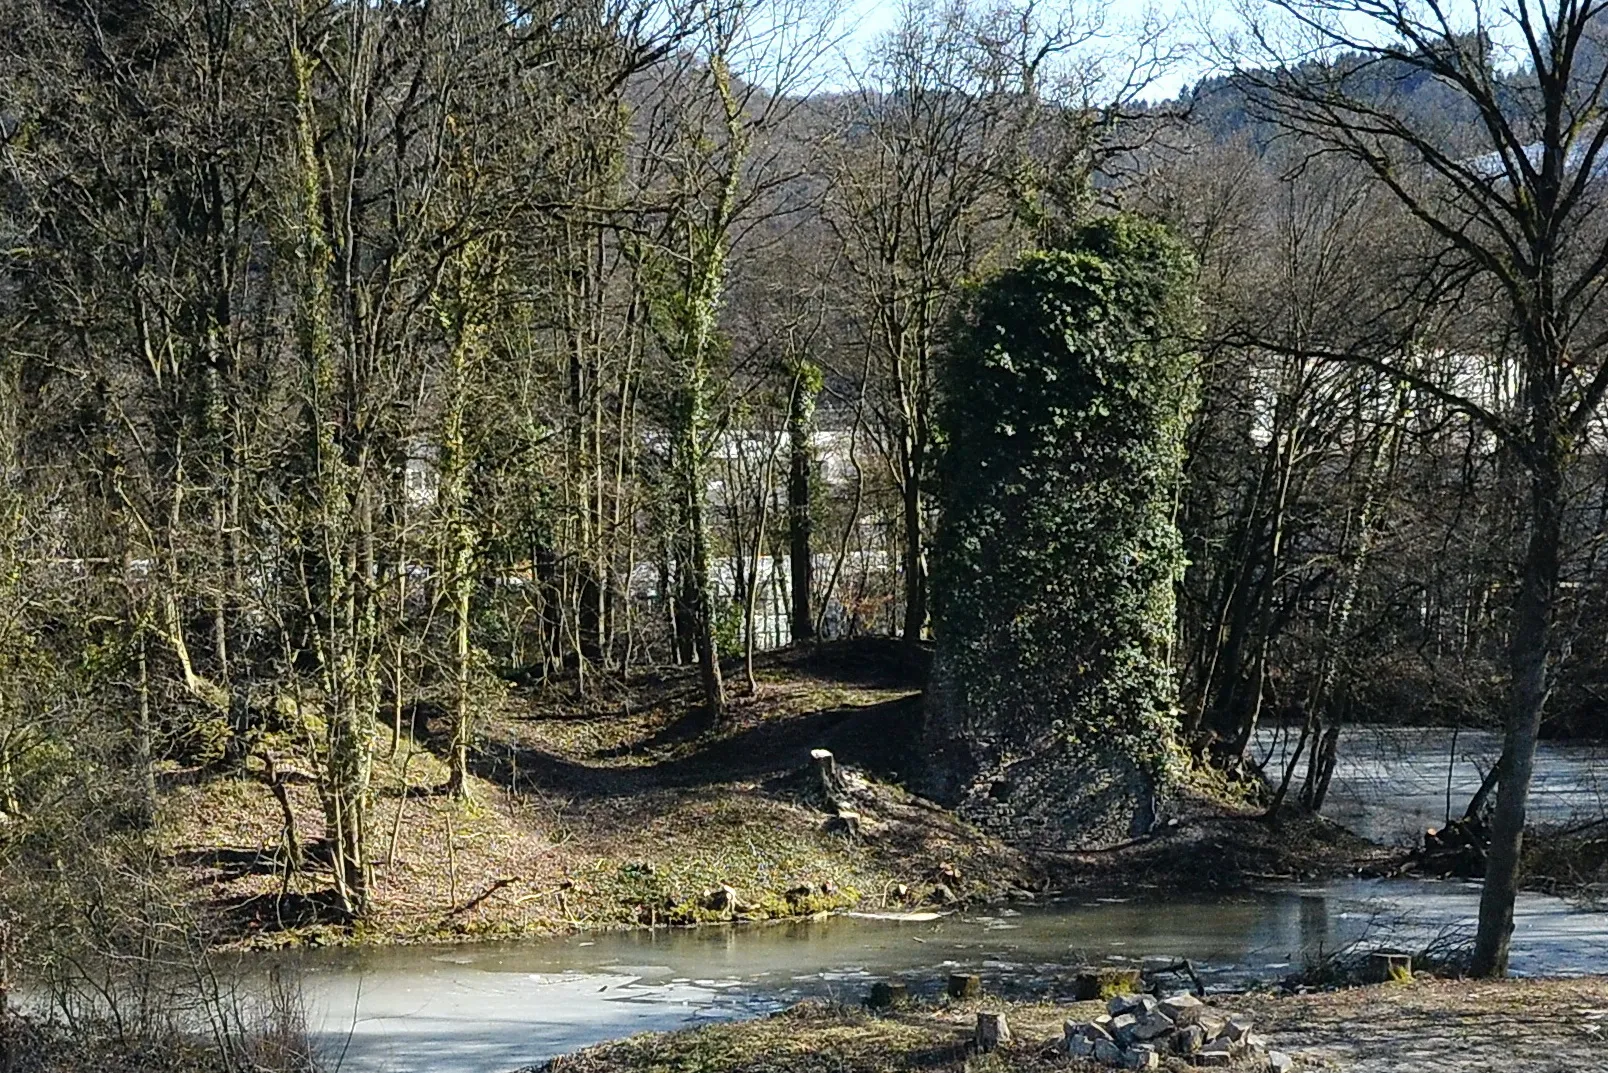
{"x": 1064, "y": 400}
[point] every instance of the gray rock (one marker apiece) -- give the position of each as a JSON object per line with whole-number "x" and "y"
{"x": 1122, "y": 1028}
{"x": 1153, "y": 1025}
{"x": 1183, "y": 1008}
{"x": 1099, "y": 1028}
{"x": 1212, "y": 1060}
{"x": 1079, "y": 1046}
{"x": 1238, "y": 1029}
{"x": 1279, "y": 1062}
{"x": 992, "y": 1031}
{"x": 1107, "y": 1052}
{"x": 1121, "y": 1004}
{"x": 1140, "y": 1056}
{"x": 1189, "y": 1039}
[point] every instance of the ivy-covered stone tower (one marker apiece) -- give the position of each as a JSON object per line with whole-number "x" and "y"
{"x": 1068, "y": 387}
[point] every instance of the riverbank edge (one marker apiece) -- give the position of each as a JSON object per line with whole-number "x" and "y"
{"x": 1222, "y": 848}
{"x": 1428, "y": 1025}
{"x": 661, "y": 821}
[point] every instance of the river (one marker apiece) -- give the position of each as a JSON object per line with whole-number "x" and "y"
{"x": 496, "y": 1007}
{"x": 1390, "y": 783}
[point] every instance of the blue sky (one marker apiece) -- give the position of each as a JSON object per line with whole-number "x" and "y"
{"x": 864, "y": 20}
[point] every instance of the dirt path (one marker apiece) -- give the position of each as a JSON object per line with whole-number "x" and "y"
{"x": 1521, "y": 1026}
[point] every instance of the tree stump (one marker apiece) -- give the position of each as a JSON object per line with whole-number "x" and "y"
{"x": 992, "y": 1031}
{"x": 827, "y": 775}
{"x": 886, "y": 995}
{"x": 964, "y": 985}
{"x": 844, "y": 823}
{"x": 1384, "y": 967}
{"x": 1101, "y": 982}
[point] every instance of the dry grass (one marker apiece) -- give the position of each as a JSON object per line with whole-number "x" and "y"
{"x": 818, "y": 1038}
{"x": 1428, "y": 1026}
{"x": 619, "y": 809}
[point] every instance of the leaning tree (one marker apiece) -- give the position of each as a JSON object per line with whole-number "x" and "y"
{"x": 1065, "y": 398}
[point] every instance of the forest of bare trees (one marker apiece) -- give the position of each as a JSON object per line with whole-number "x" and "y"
{"x": 358, "y": 358}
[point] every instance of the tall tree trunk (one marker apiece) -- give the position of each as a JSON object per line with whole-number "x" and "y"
{"x": 1527, "y": 656}
{"x": 915, "y": 557}
{"x": 751, "y": 594}
{"x": 701, "y": 586}
{"x": 337, "y": 521}
{"x": 800, "y": 523}
{"x": 457, "y": 560}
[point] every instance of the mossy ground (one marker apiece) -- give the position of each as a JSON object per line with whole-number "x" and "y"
{"x": 1428, "y": 1026}
{"x": 620, "y": 808}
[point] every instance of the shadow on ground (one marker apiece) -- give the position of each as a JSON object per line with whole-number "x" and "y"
{"x": 877, "y": 737}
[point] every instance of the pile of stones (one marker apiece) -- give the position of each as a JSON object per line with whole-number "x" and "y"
{"x": 1137, "y": 1030}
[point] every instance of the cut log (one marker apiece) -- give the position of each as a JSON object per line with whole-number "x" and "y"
{"x": 887, "y": 995}
{"x": 1384, "y": 967}
{"x": 992, "y": 1031}
{"x": 827, "y": 775}
{"x": 964, "y": 985}
{"x": 1103, "y": 983}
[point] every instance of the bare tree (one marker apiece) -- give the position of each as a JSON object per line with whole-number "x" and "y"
{"x": 703, "y": 161}
{"x": 1511, "y": 205}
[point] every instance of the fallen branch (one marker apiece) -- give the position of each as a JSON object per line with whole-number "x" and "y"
{"x": 496, "y": 885}
{"x": 1181, "y": 967}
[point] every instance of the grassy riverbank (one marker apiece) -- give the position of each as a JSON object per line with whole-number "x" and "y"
{"x": 1429, "y": 1026}
{"x": 618, "y": 809}
{"x": 623, "y": 808}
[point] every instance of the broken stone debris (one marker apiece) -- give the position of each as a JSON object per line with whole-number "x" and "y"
{"x": 1137, "y": 1030}
{"x": 1140, "y": 1056}
{"x": 1182, "y": 1009}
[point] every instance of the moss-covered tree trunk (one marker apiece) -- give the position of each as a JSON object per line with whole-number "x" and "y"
{"x": 807, "y": 384}
{"x": 1065, "y": 397}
